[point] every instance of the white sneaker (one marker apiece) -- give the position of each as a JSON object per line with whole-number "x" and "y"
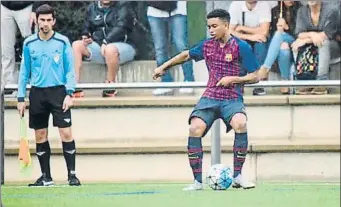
{"x": 11, "y": 95}
{"x": 186, "y": 91}
{"x": 239, "y": 182}
{"x": 163, "y": 92}
{"x": 195, "y": 186}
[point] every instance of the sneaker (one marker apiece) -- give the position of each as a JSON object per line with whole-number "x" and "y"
{"x": 163, "y": 92}
{"x": 42, "y": 181}
{"x": 195, "y": 186}
{"x": 73, "y": 180}
{"x": 78, "y": 94}
{"x": 186, "y": 91}
{"x": 285, "y": 91}
{"x": 239, "y": 182}
{"x": 259, "y": 92}
{"x": 319, "y": 91}
{"x": 109, "y": 93}
{"x": 303, "y": 91}
{"x": 10, "y": 94}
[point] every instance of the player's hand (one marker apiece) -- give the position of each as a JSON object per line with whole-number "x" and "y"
{"x": 258, "y": 38}
{"x": 297, "y": 44}
{"x": 33, "y": 19}
{"x": 239, "y": 28}
{"x": 21, "y": 106}
{"x": 68, "y": 103}
{"x": 158, "y": 72}
{"x": 86, "y": 40}
{"x": 227, "y": 81}
{"x": 103, "y": 49}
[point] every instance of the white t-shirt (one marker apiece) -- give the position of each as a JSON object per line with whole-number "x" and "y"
{"x": 260, "y": 14}
{"x": 181, "y": 9}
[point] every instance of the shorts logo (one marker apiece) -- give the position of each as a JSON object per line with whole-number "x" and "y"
{"x": 67, "y": 120}
{"x": 228, "y": 57}
{"x": 56, "y": 58}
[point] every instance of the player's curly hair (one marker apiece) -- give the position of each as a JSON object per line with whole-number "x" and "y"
{"x": 219, "y": 13}
{"x": 45, "y": 9}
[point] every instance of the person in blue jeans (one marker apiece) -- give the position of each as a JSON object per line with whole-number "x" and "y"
{"x": 283, "y": 30}
{"x": 160, "y": 22}
{"x": 250, "y": 21}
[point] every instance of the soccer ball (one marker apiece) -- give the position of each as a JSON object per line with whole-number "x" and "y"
{"x": 219, "y": 177}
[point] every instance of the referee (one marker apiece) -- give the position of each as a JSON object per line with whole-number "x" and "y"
{"x": 48, "y": 63}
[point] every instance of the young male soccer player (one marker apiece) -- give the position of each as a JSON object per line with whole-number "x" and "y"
{"x": 231, "y": 63}
{"x": 48, "y": 62}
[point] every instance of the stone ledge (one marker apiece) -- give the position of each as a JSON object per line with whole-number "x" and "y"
{"x": 255, "y": 146}
{"x": 151, "y": 101}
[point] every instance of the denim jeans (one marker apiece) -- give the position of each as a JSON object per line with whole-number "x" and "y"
{"x": 284, "y": 56}
{"x": 178, "y": 28}
{"x": 259, "y": 49}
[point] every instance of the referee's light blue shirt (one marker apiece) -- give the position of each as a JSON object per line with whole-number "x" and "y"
{"x": 46, "y": 63}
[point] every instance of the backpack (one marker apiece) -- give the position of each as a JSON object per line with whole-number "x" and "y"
{"x": 167, "y": 6}
{"x": 306, "y": 64}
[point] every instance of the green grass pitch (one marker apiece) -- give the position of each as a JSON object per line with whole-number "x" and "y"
{"x": 171, "y": 195}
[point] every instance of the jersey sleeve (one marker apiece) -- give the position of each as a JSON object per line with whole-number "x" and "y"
{"x": 196, "y": 53}
{"x": 24, "y": 74}
{"x": 248, "y": 58}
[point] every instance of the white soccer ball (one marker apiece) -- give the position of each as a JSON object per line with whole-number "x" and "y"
{"x": 219, "y": 177}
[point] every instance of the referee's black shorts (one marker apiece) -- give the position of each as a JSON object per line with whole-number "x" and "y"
{"x": 46, "y": 101}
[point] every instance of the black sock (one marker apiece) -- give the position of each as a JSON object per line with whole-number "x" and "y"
{"x": 239, "y": 152}
{"x": 195, "y": 155}
{"x": 43, "y": 153}
{"x": 69, "y": 151}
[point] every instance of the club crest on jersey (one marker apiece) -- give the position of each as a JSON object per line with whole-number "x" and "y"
{"x": 56, "y": 58}
{"x": 228, "y": 57}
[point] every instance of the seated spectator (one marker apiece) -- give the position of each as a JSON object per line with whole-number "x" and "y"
{"x": 316, "y": 24}
{"x": 282, "y": 32}
{"x": 163, "y": 16}
{"x": 250, "y": 21}
{"x": 105, "y": 39}
{"x": 14, "y": 14}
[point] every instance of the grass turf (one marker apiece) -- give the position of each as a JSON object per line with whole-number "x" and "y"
{"x": 171, "y": 195}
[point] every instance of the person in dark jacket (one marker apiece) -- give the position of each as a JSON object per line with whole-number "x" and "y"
{"x": 14, "y": 14}
{"x": 106, "y": 38}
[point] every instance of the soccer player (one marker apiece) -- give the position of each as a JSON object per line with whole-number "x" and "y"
{"x": 231, "y": 63}
{"x": 48, "y": 63}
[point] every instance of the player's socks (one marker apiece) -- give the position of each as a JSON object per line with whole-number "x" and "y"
{"x": 43, "y": 152}
{"x": 239, "y": 152}
{"x": 195, "y": 155}
{"x": 69, "y": 152}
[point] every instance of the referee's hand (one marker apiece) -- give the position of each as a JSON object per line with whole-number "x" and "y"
{"x": 68, "y": 103}
{"x": 21, "y": 106}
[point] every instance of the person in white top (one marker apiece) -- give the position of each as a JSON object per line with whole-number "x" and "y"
{"x": 250, "y": 21}
{"x": 163, "y": 16}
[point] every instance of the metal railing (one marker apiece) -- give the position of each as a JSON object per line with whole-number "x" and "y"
{"x": 215, "y": 136}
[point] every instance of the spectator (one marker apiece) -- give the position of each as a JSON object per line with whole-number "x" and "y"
{"x": 250, "y": 21}
{"x": 282, "y": 32}
{"x": 14, "y": 14}
{"x": 317, "y": 24}
{"x": 106, "y": 39}
{"x": 173, "y": 15}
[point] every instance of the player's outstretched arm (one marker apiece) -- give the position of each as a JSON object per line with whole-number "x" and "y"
{"x": 176, "y": 60}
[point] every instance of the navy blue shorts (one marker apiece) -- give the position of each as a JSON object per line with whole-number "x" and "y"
{"x": 210, "y": 109}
